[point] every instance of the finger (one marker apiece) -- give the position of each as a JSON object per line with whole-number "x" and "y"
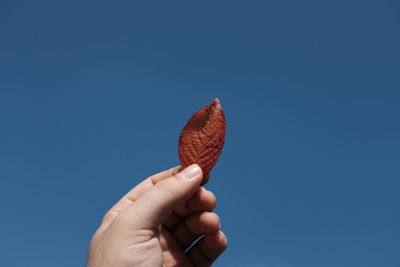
{"x": 165, "y": 174}
{"x": 136, "y": 192}
{"x": 144, "y": 186}
{"x": 202, "y": 200}
{"x": 158, "y": 202}
{"x": 208, "y": 249}
{"x": 194, "y": 226}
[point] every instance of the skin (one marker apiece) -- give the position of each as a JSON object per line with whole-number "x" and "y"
{"x": 157, "y": 221}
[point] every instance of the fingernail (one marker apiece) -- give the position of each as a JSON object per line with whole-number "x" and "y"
{"x": 191, "y": 172}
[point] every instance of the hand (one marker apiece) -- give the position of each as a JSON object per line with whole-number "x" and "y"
{"x": 157, "y": 221}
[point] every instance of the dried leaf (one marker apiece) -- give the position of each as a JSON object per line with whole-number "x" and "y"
{"x": 202, "y": 138}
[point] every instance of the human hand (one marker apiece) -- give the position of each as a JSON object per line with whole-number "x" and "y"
{"x": 157, "y": 221}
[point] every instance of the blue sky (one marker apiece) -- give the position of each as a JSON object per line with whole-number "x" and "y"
{"x": 93, "y": 95}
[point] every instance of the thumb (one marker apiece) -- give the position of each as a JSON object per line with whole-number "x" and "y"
{"x": 157, "y": 203}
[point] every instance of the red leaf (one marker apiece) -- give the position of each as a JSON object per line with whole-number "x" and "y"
{"x": 202, "y": 138}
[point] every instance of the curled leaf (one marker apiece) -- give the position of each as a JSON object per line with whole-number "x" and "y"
{"x": 202, "y": 138}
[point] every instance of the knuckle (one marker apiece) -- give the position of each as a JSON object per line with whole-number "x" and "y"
{"x": 110, "y": 215}
{"x": 168, "y": 186}
{"x": 163, "y": 189}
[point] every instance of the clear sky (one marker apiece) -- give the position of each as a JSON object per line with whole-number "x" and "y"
{"x": 93, "y": 95}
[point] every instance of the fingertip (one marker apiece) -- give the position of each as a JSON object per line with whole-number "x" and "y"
{"x": 191, "y": 172}
{"x": 211, "y": 199}
{"x": 223, "y": 239}
{"x": 203, "y": 223}
{"x": 218, "y": 242}
{"x": 214, "y": 244}
{"x": 203, "y": 200}
{"x": 212, "y": 219}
